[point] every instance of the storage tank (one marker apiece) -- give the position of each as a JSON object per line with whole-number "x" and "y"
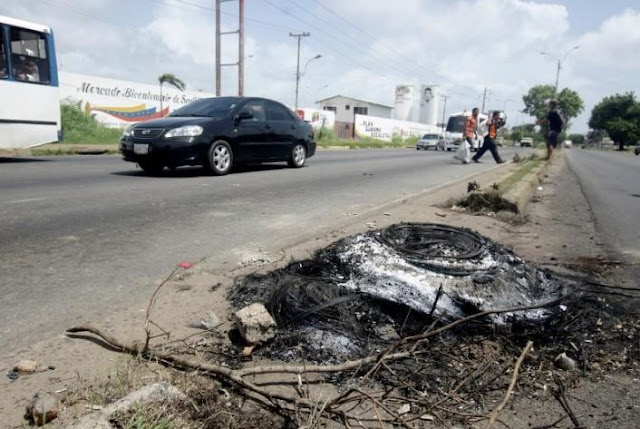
{"x": 403, "y": 107}
{"x": 429, "y": 102}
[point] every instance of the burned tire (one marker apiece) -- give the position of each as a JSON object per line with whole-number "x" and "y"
{"x": 151, "y": 168}
{"x": 219, "y": 158}
{"x": 298, "y": 156}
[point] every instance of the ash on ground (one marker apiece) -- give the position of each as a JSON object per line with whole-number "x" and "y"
{"x": 353, "y": 297}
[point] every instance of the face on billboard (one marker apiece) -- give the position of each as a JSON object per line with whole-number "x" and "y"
{"x": 428, "y": 94}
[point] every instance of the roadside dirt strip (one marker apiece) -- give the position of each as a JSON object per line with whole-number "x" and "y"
{"x": 479, "y": 368}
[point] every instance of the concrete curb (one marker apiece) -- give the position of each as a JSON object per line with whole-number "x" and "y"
{"x": 521, "y": 192}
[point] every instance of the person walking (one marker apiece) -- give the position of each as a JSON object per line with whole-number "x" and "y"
{"x": 470, "y": 133}
{"x": 489, "y": 143}
{"x": 556, "y": 123}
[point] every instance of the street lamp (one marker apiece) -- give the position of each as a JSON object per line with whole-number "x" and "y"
{"x": 318, "y": 91}
{"x": 299, "y": 75}
{"x": 560, "y": 62}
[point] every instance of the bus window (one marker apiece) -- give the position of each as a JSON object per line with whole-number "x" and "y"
{"x": 29, "y": 56}
{"x": 3, "y": 57}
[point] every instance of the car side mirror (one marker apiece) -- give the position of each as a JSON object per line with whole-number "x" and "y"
{"x": 243, "y": 115}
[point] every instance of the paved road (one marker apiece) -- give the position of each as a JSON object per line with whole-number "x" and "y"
{"x": 611, "y": 183}
{"x": 82, "y": 235}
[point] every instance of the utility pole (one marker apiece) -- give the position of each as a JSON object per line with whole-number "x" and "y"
{"x": 484, "y": 98}
{"x": 218, "y": 65}
{"x": 240, "y": 62}
{"x": 299, "y": 36}
{"x": 241, "y": 49}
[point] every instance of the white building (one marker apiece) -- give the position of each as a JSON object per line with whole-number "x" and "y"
{"x": 346, "y": 109}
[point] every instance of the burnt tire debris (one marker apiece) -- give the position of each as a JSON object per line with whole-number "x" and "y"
{"x": 405, "y": 276}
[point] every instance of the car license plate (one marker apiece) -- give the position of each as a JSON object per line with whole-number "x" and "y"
{"x": 140, "y": 149}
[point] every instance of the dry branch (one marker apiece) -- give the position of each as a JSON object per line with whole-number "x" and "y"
{"x": 516, "y": 370}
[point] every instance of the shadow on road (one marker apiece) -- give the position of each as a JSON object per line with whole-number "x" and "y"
{"x": 186, "y": 172}
{"x": 8, "y": 160}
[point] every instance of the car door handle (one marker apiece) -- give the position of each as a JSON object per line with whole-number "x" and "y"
{"x": 293, "y": 127}
{"x": 268, "y": 126}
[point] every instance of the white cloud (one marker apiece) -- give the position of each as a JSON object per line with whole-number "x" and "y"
{"x": 616, "y": 44}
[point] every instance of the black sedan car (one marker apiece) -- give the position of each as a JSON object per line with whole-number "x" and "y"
{"x": 219, "y": 133}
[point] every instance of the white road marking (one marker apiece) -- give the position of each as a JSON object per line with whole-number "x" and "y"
{"x": 28, "y": 200}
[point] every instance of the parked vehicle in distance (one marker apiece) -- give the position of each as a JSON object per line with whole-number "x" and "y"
{"x": 567, "y": 144}
{"x": 455, "y": 129}
{"x": 526, "y": 142}
{"x": 637, "y": 149}
{"x": 219, "y": 133}
{"x": 428, "y": 141}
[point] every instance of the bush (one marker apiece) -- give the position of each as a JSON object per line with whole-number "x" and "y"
{"x": 78, "y": 127}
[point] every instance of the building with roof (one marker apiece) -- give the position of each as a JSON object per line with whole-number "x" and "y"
{"x": 346, "y": 109}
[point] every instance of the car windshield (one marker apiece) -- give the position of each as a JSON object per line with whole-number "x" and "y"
{"x": 456, "y": 124}
{"x": 207, "y": 107}
{"x": 430, "y": 137}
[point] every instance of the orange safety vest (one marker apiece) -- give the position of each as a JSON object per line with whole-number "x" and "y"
{"x": 493, "y": 129}
{"x": 470, "y": 126}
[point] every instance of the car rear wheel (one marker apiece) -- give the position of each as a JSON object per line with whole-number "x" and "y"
{"x": 298, "y": 156}
{"x": 151, "y": 168}
{"x": 220, "y": 158}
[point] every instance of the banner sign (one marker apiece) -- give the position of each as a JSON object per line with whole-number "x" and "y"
{"x": 385, "y": 129}
{"x": 317, "y": 118}
{"x": 118, "y": 103}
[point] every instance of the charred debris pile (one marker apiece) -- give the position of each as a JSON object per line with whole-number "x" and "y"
{"x": 364, "y": 292}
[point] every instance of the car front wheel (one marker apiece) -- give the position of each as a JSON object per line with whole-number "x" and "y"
{"x": 298, "y": 156}
{"x": 220, "y": 158}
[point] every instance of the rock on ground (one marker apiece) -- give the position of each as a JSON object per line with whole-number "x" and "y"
{"x": 255, "y": 324}
{"x": 42, "y": 408}
{"x": 154, "y": 392}
{"x": 26, "y": 366}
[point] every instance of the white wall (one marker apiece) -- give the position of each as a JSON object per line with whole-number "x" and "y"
{"x": 385, "y": 128}
{"x": 344, "y": 115}
{"x": 119, "y": 103}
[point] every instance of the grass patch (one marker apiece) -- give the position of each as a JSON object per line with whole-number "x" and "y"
{"x": 80, "y": 128}
{"x": 326, "y": 138}
{"x": 527, "y": 167}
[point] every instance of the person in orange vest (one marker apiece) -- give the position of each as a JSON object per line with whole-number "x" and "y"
{"x": 471, "y": 126}
{"x": 490, "y": 139}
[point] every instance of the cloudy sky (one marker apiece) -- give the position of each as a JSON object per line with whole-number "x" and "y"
{"x": 367, "y": 46}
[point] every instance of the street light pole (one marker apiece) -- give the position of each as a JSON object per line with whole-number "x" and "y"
{"x": 559, "y": 66}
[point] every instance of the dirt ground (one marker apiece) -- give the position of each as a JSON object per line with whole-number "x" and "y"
{"x": 560, "y": 234}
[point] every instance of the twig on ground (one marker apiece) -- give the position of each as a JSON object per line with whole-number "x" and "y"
{"x": 516, "y": 370}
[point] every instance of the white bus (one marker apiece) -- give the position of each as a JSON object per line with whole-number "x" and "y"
{"x": 453, "y": 134}
{"x": 30, "y": 106}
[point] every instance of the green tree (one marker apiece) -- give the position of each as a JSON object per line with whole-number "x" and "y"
{"x": 170, "y": 79}
{"x": 577, "y": 139}
{"x": 537, "y": 99}
{"x": 619, "y": 116}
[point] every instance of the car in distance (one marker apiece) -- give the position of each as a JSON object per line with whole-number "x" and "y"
{"x": 526, "y": 142}
{"x": 637, "y": 149}
{"x": 219, "y": 133}
{"x": 428, "y": 141}
{"x": 567, "y": 144}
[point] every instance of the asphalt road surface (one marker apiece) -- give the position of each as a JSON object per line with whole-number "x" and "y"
{"x": 611, "y": 183}
{"x": 81, "y": 236}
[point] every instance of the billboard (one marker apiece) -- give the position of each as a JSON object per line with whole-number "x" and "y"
{"x": 317, "y": 118}
{"x": 118, "y": 103}
{"x": 429, "y": 101}
{"x": 403, "y": 107}
{"x": 385, "y": 129}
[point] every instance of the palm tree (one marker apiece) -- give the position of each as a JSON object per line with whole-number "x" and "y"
{"x": 171, "y": 79}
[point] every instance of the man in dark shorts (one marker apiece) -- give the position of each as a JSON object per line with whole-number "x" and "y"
{"x": 555, "y": 122}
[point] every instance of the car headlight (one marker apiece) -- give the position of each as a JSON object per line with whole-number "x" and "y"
{"x": 127, "y": 132}
{"x": 186, "y": 131}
